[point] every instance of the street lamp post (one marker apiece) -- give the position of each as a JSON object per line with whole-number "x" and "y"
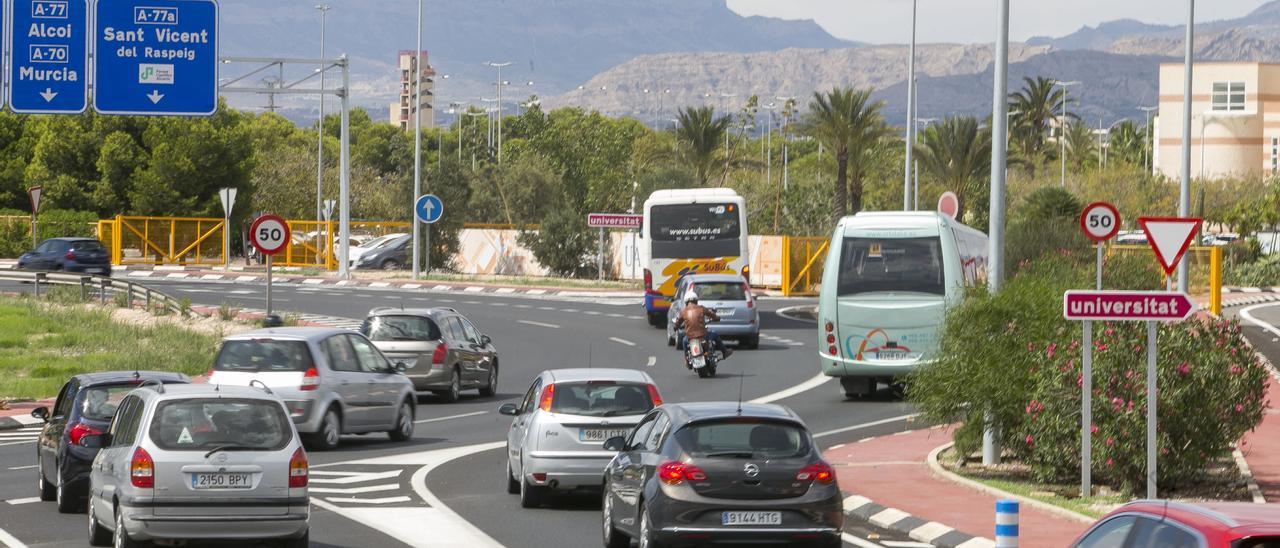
{"x": 911, "y": 111}
{"x": 417, "y": 148}
{"x": 499, "y": 66}
{"x": 999, "y": 151}
{"x": 1148, "y": 150}
{"x": 1184, "y": 192}
{"x": 324, "y": 13}
{"x": 1062, "y": 128}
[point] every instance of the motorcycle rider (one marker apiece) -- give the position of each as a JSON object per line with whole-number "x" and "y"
{"x": 693, "y": 319}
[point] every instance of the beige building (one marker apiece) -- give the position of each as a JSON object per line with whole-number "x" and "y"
{"x": 402, "y": 111}
{"x": 1235, "y": 120}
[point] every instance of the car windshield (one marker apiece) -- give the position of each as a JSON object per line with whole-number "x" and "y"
{"x": 263, "y": 356}
{"x": 891, "y": 265}
{"x": 720, "y": 291}
{"x": 601, "y": 399}
{"x": 100, "y": 402}
{"x": 739, "y": 438}
{"x": 400, "y": 328}
{"x": 205, "y": 423}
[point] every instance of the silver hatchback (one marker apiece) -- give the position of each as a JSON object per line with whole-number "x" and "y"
{"x": 730, "y": 297}
{"x": 198, "y": 462}
{"x": 555, "y": 438}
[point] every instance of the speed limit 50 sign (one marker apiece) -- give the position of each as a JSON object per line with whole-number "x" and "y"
{"x": 1100, "y": 221}
{"x": 270, "y": 234}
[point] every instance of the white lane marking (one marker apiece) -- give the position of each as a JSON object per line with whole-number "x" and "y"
{"x": 451, "y": 417}
{"x": 546, "y": 308}
{"x": 28, "y": 500}
{"x": 622, "y": 341}
{"x": 797, "y": 389}
{"x": 569, "y": 310}
{"x": 10, "y": 540}
{"x": 17, "y": 443}
{"x": 858, "y": 542}
{"x": 354, "y": 490}
{"x": 539, "y": 324}
{"x": 347, "y": 478}
{"x": 905, "y": 544}
{"x": 653, "y": 360}
{"x": 24, "y": 467}
{"x": 1247, "y": 315}
{"x": 865, "y": 425}
{"x": 387, "y": 500}
{"x": 785, "y": 313}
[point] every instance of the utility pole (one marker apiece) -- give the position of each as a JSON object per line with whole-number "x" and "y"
{"x": 999, "y": 136}
{"x": 500, "y": 66}
{"x": 911, "y": 111}
{"x": 1184, "y": 193}
{"x": 324, "y": 16}
{"x": 1148, "y": 149}
{"x": 1062, "y": 129}
{"x": 417, "y": 149}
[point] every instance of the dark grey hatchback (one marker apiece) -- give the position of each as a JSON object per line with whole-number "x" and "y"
{"x": 711, "y": 473}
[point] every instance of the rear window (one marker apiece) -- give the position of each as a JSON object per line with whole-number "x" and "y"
{"x": 400, "y": 328}
{"x": 720, "y": 291}
{"x": 87, "y": 245}
{"x": 202, "y": 424}
{"x": 601, "y": 399}
{"x": 263, "y": 356}
{"x": 891, "y": 265}
{"x": 100, "y": 402}
{"x": 743, "y": 439}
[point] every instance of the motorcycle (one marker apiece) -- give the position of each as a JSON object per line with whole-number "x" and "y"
{"x": 698, "y": 358}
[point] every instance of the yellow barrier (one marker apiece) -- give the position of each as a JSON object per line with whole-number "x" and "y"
{"x": 163, "y": 240}
{"x": 802, "y": 263}
{"x": 1204, "y": 268}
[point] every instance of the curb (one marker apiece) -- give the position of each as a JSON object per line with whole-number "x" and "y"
{"x": 1227, "y": 290}
{"x": 17, "y": 421}
{"x": 948, "y": 475}
{"x": 1252, "y": 300}
{"x": 929, "y": 532}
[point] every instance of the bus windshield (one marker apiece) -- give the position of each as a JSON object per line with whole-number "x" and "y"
{"x": 689, "y": 231}
{"x": 894, "y": 265}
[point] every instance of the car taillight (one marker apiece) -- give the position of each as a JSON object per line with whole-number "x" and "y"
{"x": 298, "y": 469}
{"x": 831, "y": 338}
{"x": 70, "y": 256}
{"x": 648, "y": 280}
{"x": 654, "y": 396}
{"x": 675, "y": 472}
{"x": 142, "y": 470}
{"x": 830, "y": 327}
{"x": 80, "y": 430}
{"x": 820, "y": 472}
{"x": 437, "y": 357}
{"x": 310, "y": 379}
{"x": 548, "y": 394}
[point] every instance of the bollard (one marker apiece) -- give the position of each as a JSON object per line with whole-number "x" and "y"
{"x": 1007, "y": 524}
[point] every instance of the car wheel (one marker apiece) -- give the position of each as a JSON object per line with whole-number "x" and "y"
{"x": 330, "y": 432}
{"x": 47, "y": 491}
{"x": 612, "y": 537}
{"x": 121, "y": 535}
{"x": 491, "y": 388}
{"x": 455, "y": 387}
{"x": 513, "y": 486}
{"x": 297, "y": 542}
{"x": 404, "y": 424}
{"x": 530, "y": 495}
{"x": 98, "y": 535}
{"x": 67, "y": 504}
{"x": 390, "y": 264}
{"x": 752, "y": 342}
{"x": 647, "y": 539}
{"x": 671, "y": 339}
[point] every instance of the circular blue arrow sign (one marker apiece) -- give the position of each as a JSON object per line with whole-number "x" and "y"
{"x": 429, "y": 208}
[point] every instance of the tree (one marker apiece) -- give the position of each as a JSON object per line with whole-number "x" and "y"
{"x": 701, "y": 134}
{"x": 849, "y": 125}
{"x": 1082, "y": 145}
{"x": 1128, "y": 143}
{"x": 957, "y": 154}
{"x": 1039, "y": 102}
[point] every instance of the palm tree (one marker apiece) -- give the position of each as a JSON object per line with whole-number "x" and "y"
{"x": 701, "y": 135}
{"x": 957, "y": 154}
{"x": 1082, "y": 145}
{"x": 848, "y": 124}
{"x": 1039, "y": 102}
{"x": 1128, "y": 142}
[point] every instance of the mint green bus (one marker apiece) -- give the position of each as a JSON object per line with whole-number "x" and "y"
{"x": 886, "y": 285}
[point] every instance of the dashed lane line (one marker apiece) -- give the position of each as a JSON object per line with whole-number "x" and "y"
{"x": 653, "y": 360}
{"x": 10, "y": 540}
{"x": 23, "y": 467}
{"x": 451, "y": 417}
{"x": 539, "y": 324}
{"x": 622, "y": 341}
{"x": 28, "y": 500}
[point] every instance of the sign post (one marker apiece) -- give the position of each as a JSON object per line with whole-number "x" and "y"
{"x": 35, "y": 192}
{"x": 603, "y": 221}
{"x": 949, "y": 204}
{"x": 428, "y": 209}
{"x": 156, "y": 57}
{"x": 270, "y": 234}
{"x": 50, "y": 50}
{"x": 228, "y": 198}
{"x": 327, "y": 211}
{"x": 1100, "y": 222}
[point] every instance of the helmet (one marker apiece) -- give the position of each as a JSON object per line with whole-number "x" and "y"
{"x": 691, "y": 297}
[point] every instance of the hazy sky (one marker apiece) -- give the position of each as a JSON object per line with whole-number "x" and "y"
{"x": 888, "y": 21}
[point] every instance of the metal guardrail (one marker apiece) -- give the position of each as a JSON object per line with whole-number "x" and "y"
{"x": 100, "y": 284}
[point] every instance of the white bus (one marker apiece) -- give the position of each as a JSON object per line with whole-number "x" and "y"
{"x": 886, "y": 285}
{"x": 692, "y": 231}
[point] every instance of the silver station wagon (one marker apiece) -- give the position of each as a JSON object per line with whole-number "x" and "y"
{"x": 185, "y": 462}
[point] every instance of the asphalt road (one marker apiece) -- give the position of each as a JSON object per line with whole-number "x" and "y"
{"x": 532, "y": 334}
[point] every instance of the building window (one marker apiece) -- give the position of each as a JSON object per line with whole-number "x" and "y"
{"x": 1228, "y": 96}
{"x": 1275, "y": 155}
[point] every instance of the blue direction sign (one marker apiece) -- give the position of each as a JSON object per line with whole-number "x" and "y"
{"x": 4, "y": 35}
{"x": 156, "y": 57}
{"x": 429, "y": 208}
{"x": 49, "y": 44}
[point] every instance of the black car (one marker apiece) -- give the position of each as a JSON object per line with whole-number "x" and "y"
{"x": 392, "y": 256}
{"x": 85, "y": 255}
{"x": 707, "y": 473}
{"x": 84, "y": 407}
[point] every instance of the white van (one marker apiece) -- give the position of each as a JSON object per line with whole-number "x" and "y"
{"x": 886, "y": 285}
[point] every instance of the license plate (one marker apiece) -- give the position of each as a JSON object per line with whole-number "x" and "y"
{"x": 751, "y": 518}
{"x": 221, "y": 481}
{"x": 600, "y": 434}
{"x": 93, "y": 271}
{"x": 893, "y": 355}
{"x": 699, "y": 362}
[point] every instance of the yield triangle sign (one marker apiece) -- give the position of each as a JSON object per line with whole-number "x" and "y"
{"x": 35, "y": 192}
{"x": 1169, "y": 237}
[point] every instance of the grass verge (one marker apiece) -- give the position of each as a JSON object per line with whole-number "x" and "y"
{"x": 42, "y": 345}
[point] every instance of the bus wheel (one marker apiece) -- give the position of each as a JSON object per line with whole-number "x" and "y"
{"x": 657, "y": 319}
{"x": 858, "y": 387}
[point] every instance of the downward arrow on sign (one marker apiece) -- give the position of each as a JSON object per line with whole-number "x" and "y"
{"x": 48, "y": 94}
{"x": 155, "y": 96}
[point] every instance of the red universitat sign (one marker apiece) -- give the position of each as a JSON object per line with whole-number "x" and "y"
{"x": 614, "y": 220}
{"x": 1127, "y": 306}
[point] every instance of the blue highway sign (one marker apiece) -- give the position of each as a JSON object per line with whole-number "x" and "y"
{"x": 429, "y": 208}
{"x": 156, "y": 57}
{"x": 49, "y": 44}
{"x": 4, "y": 36}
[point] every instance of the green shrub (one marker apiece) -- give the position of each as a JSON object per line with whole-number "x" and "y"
{"x": 1264, "y": 272}
{"x": 15, "y": 234}
{"x": 228, "y": 312}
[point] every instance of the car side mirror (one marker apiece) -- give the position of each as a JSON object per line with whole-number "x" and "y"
{"x": 617, "y": 443}
{"x": 485, "y": 340}
{"x": 509, "y": 409}
{"x": 95, "y": 442}
{"x": 400, "y": 367}
{"x": 41, "y": 413}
